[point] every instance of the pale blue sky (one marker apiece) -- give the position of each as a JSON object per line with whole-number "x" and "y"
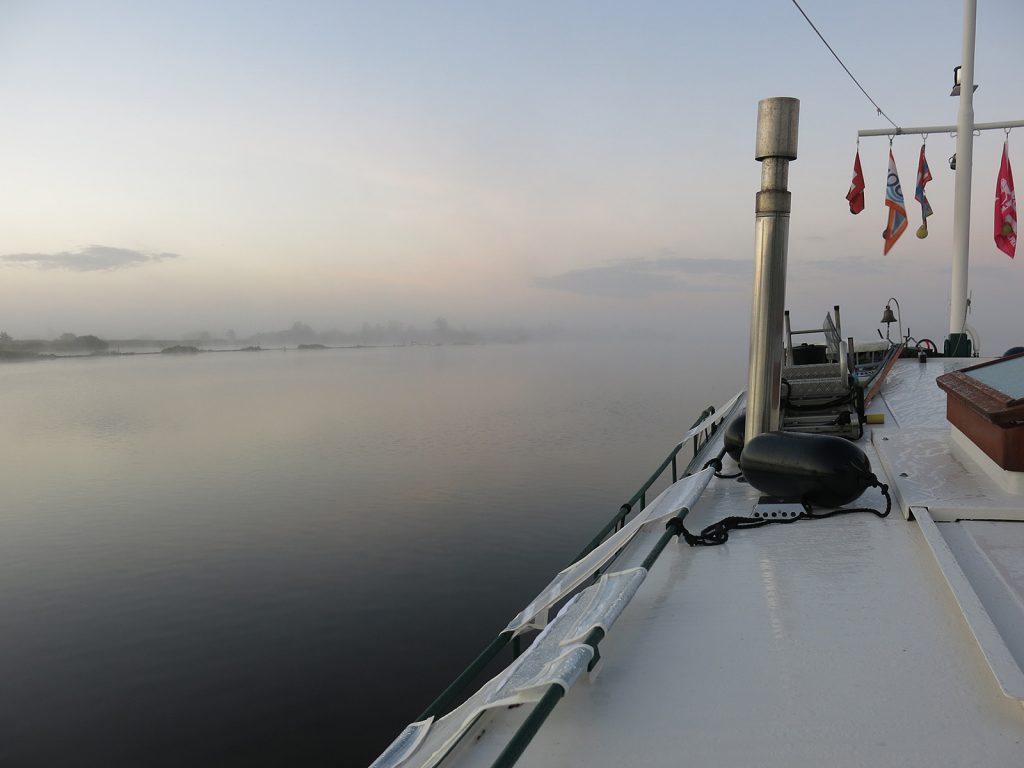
{"x": 493, "y": 162}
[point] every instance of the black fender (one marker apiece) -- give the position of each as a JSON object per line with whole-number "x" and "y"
{"x": 820, "y": 470}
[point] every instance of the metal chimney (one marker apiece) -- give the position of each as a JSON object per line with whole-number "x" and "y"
{"x": 777, "y": 122}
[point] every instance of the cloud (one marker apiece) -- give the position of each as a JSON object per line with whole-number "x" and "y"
{"x": 850, "y": 265}
{"x": 92, "y": 258}
{"x": 634, "y": 278}
{"x": 874, "y": 265}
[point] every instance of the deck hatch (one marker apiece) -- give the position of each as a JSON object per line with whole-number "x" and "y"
{"x": 986, "y": 403}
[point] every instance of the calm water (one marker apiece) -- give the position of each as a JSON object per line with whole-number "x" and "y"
{"x": 280, "y": 558}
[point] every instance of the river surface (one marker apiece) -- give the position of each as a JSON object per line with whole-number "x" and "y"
{"x": 281, "y": 557}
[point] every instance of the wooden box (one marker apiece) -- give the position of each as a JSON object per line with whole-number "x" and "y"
{"x": 986, "y": 403}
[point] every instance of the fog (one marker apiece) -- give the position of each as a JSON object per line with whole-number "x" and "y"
{"x": 705, "y": 302}
{"x": 169, "y": 171}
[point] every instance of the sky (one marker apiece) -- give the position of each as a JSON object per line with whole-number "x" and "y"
{"x": 175, "y": 166}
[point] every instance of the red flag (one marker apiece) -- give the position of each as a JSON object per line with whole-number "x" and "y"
{"x": 856, "y": 193}
{"x": 924, "y": 175}
{"x": 1006, "y": 209}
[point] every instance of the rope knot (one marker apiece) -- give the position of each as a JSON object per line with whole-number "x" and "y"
{"x": 716, "y": 463}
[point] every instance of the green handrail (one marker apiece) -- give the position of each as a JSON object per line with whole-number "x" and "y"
{"x": 443, "y": 702}
{"x": 524, "y": 734}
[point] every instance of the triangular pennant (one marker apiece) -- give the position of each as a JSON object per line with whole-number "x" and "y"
{"x": 923, "y": 177}
{"x": 897, "y": 223}
{"x": 856, "y": 193}
{"x": 1006, "y": 208}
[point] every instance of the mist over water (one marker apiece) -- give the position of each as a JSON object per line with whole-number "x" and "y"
{"x": 268, "y": 558}
{"x": 282, "y": 557}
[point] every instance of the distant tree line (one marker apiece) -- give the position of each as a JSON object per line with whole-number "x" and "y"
{"x": 393, "y": 332}
{"x": 377, "y": 334}
{"x": 67, "y": 343}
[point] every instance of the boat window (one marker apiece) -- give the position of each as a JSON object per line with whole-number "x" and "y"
{"x": 1007, "y": 376}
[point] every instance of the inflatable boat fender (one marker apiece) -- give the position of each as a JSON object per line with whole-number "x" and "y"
{"x": 820, "y": 470}
{"x": 733, "y": 438}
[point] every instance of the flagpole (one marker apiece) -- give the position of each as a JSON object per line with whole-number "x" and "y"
{"x": 956, "y": 343}
{"x": 920, "y": 130}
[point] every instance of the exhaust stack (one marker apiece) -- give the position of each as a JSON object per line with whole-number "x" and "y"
{"x": 777, "y": 122}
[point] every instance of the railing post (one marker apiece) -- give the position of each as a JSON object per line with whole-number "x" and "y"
{"x": 788, "y": 351}
{"x": 777, "y": 122}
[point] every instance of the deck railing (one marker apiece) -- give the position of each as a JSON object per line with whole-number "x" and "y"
{"x": 444, "y": 702}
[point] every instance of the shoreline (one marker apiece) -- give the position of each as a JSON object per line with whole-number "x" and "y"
{"x": 185, "y": 350}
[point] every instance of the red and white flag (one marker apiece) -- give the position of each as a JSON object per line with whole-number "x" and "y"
{"x": 856, "y": 193}
{"x": 1006, "y": 208}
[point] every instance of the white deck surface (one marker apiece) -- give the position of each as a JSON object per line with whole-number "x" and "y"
{"x": 827, "y": 643}
{"x": 834, "y": 642}
{"x": 929, "y": 470}
{"x": 913, "y": 397}
{"x": 990, "y": 555}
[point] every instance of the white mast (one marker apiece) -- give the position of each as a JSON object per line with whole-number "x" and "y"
{"x": 962, "y": 191}
{"x": 958, "y": 343}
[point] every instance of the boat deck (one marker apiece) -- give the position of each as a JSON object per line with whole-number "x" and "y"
{"x": 833, "y": 642}
{"x": 847, "y": 641}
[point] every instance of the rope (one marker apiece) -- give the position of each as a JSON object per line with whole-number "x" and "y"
{"x": 877, "y": 108}
{"x": 716, "y": 464}
{"x": 718, "y": 533}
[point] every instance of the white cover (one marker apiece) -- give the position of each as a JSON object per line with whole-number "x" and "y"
{"x": 556, "y": 657}
{"x": 601, "y": 604}
{"x": 707, "y": 422}
{"x": 683, "y": 493}
{"x": 871, "y": 345}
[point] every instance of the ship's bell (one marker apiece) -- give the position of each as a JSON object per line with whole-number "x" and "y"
{"x": 887, "y": 316}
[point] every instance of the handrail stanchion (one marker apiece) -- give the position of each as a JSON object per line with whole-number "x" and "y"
{"x": 789, "y": 340}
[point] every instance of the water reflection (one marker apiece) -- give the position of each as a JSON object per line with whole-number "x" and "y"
{"x": 281, "y": 557}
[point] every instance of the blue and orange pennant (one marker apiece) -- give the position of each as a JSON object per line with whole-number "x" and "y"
{"x": 897, "y": 223}
{"x": 923, "y": 177}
